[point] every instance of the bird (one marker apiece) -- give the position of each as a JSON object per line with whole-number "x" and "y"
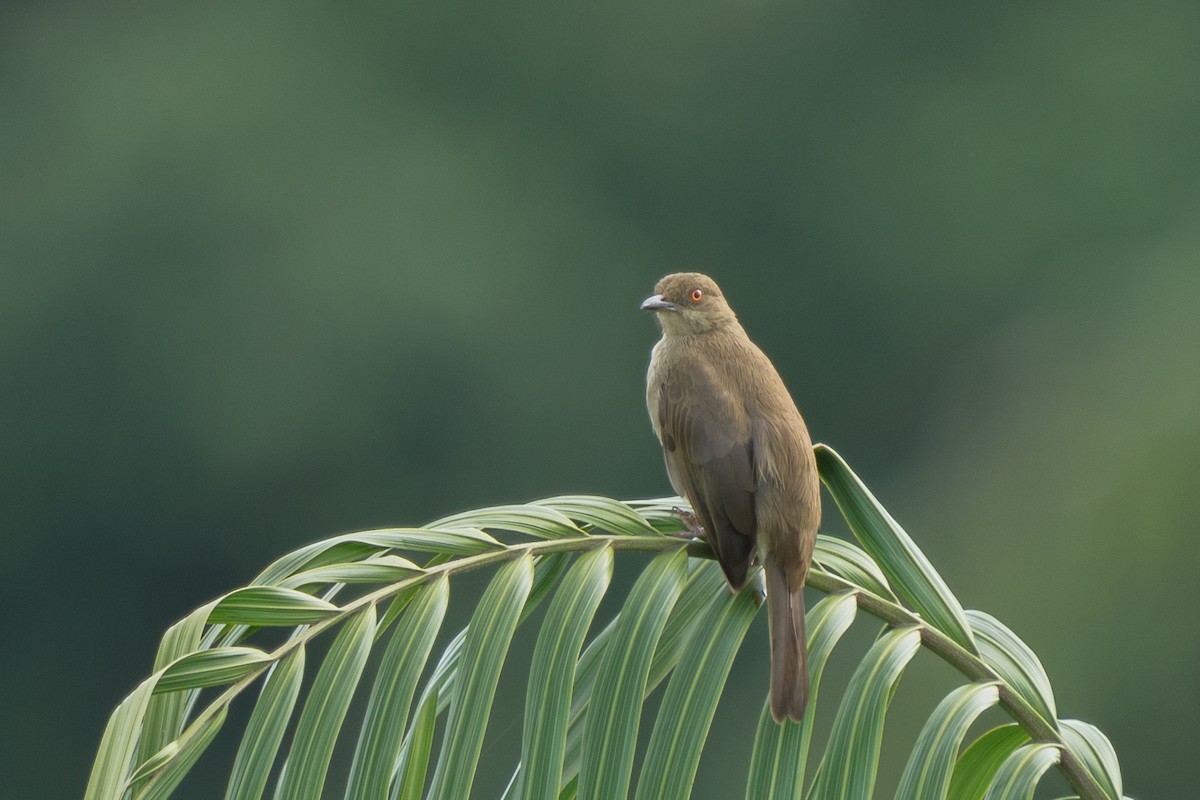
{"x": 737, "y": 449}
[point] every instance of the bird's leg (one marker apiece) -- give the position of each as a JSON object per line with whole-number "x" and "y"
{"x": 694, "y": 529}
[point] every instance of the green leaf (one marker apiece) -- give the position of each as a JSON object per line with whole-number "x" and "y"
{"x": 538, "y": 521}
{"x": 111, "y": 767}
{"x": 403, "y": 661}
{"x": 552, "y": 673}
{"x": 399, "y": 602}
{"x": 266, "y": 727}
{"x": 781, "y": 750}
{"x": 383, "y": 569}
{"x": 1019, "y": 774}
{"x": 547, "y": 569}
{"x": 851, "y": 760}
{"x": 445, "y": 672}
{"x": 153, "y": 764}
{"x": 447, "y": 540}
{"x": 690, "y": 702}
{"x": 1096, "y": 752}
{"x": 451, "y": 540}
{"x": 584, "y": 710}
{"x": 321, "y": 720}
{"x": 270, "y": 605}
{"x": 337, "y": 550}
{"x": 705, "y": 582}
{"x": 483, "y": 653}
{"x": 214, "y": 667}
{"x": 414, "y": 755}
{"x": 183, "y": 754}
{"x": 586, "y": 671}
{"x": 980, "y": 762}
{"x": 906, "y": 567}
{"x": 1013, "y": 661}
{"x": 610, "y": 732}
{"x": 166, "y": 712}
{"x": 931, "y": 765}
{"x": 601, "y": 513}
{"x": 847, "y": 561}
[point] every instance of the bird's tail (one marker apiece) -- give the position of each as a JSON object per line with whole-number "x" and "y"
{"x": 789, "y": 645}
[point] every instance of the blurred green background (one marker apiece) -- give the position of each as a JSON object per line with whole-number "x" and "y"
{"x": 278, "y": 271}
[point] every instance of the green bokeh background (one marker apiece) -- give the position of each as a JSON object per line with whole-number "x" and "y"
{"x": 274, "y": 272}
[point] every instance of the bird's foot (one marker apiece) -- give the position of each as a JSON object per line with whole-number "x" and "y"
{"x": 694, "y": 529}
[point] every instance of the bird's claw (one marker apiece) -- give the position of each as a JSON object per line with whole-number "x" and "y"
{"x": 694, "y": 529}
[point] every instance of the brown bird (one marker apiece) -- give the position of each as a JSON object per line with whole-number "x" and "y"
{"x": 738, "y": 450}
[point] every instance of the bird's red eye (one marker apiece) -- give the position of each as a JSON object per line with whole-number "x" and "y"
{"x": 697, "y": 295}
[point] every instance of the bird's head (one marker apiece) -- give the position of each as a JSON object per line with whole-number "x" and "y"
{"x": 689, "y": 303}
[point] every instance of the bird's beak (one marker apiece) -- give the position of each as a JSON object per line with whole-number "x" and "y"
{"x": 656, "y": 303}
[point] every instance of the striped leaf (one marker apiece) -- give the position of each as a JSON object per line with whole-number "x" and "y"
{"x": 486, "y": 645}
{"x": 266, "y": 727}
{"x": 907, "y": 569}
{"x": 849, "y": 766}
{"x": 320, "y": 722}
{"x": 931, "y": 766}
{"x": 690, "y": 703}
{"x": 610, "y": 733}
{"x": 165, "y": 714}
{"x": 381, "y": 569}
{"x": 780, "y": 753}
{"x": 979, "y": 763}
{"x": 1019, "y": 774}
{"x": 263, "y": 606}
{"x": 382, "y": 731}
{"x": 552, "y": 673}
{"x": 547, "y": 570}
{"x": 584, "y": 711}
{"x": 845, "y": 560}
{"x": 180, "y": 756}
{"x": 1097, "y": 754}
{"x": 445, "y": 540}
{"x": 538, "y": 521}
{"x": 599, "y": 514}
{"x": 704, "y": 582}
{"x": 111, "y": 769}
{"x": 1015, "y": 663}
{"x": 414, "y": 755}
{"x": 211, "y": 668}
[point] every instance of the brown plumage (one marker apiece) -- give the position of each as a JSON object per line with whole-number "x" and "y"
{"x": 736, "y": 447}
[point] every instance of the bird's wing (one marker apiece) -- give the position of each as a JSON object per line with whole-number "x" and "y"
{"x": 708, "y": 448}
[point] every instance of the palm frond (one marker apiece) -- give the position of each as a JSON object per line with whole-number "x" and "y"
{"x": 588, "y": 678}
